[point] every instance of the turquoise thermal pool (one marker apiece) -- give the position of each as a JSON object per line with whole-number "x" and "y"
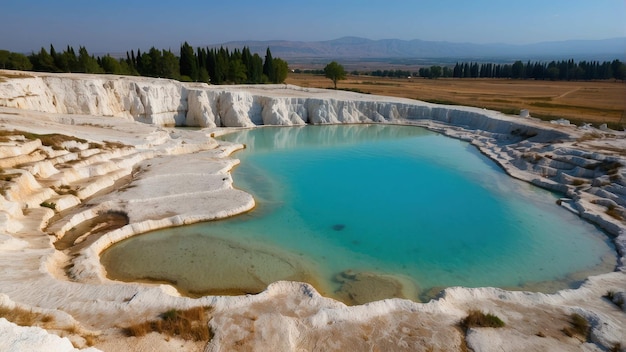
{"x": 366, "y": 212}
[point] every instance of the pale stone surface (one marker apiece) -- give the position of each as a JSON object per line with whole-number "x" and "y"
{"x": 163, "y": 177}
{"x": 28, "y": 338}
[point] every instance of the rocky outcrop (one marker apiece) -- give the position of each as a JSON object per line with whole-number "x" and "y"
{"x": 162, "y": 102}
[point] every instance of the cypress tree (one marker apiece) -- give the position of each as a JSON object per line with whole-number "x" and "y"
{"x": 517, "y": 70}
{"x": 200, "y": 59}
{"x": 211, "y": 65}
{"x": 457, "y": 71}
{"x": 246, "y": 58}
{"x": 133, "y": 59}
{"x": 466, "y": 70}
{"x": 53, "y": 54}
{"x": 221, "y": 65}
{"x": 72, "y": 61}
{"x": 268, "y": 66}
{"x": 474, "y": 70}
{"x": 188, "y": 62}
{"x": 169, "y": 65}
{"x": 139, "y": 65}
{"x": 256, "y": 73}
{"x": 156, "y": 65}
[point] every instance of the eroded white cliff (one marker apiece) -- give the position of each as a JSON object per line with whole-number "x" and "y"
{"x": 172, "y": 103}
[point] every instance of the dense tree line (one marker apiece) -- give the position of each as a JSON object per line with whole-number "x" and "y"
{"x": 391, "y": 73}
{"x": 554, "y": 70}
{"x": 216, "y": 66}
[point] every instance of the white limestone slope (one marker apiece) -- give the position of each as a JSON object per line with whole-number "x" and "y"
{"x": 172, "y": 103}
{"x": 159, "y": 178}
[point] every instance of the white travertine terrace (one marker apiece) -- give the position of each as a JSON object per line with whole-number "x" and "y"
{"x": 129, "y": 162}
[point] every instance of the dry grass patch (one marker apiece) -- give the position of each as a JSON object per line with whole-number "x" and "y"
{"x": 190, "y": 324}
{"x": 114, "y": 145}
{"x": 64, "y": 190}
{"x": 49, "y": 205}
{"x": 614, "y": 212}
{"x": 478, "y": 319}
{"x": 23, "y": 317}
{"x": 108, "y": 145}
{"x": 90, "y": 340}
{"x": 54, "y": 140}
{"x": 578, "y": 326}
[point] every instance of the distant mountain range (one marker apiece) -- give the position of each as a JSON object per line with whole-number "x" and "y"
{"x": 361, "y": 48}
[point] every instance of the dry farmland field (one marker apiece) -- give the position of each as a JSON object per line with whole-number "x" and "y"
{"x": 593, "y": 102}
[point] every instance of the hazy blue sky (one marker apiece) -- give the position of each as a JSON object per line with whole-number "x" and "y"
{"x": 120, "y": 25}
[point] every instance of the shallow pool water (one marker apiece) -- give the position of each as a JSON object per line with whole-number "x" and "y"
{"x": 376, "y": 210}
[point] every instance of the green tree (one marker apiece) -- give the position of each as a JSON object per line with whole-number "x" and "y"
{"x": 255, "y": 71}
{"x": 552, "y": 73}
{"x": 281, "y": 70}
{"x": 435, "y": 71}
{"x": 466, "y": 71}
{"x": 4, "y": 58}
{"x": 169, "y": 65}
{"x": 55, "y": 58}
{"x": 19, "y": 61}
{"x": 211, "y": 62}
{"x": 156, "y": 63}
{"x": 126, "y": 69}
{"x": 203, "y": 75}
{"x": 222, "y": 66}
{"x": 140, "y": 64}
{"x": 68, "y": 61}
{"x": 475, "y": 70}
{"x": 517, "y": 70}
{"x": 619, "y": 70}
{"x": 111, "y": 65}
{"x": 334, "y": 72}
{"x": 268, "y": 65}
{"x": 42, "y": 61}
{"x": 86, "y": 63}
{"x": 236, "y": 71}
{"x": 246, "y": 58}
{"x": 188, "y": 62}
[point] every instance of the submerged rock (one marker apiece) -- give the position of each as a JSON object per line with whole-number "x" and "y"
{"x": 364, "y": 287}
{"x": 339, "y": 227}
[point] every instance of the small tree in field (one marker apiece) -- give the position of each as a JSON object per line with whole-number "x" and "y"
{"x": 334, "y": 72}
